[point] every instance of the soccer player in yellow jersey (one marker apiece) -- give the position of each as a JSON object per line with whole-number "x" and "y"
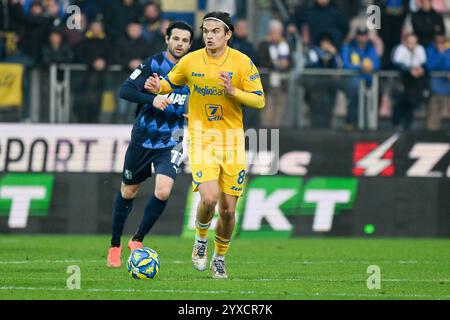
{"x": 221, "y": 81}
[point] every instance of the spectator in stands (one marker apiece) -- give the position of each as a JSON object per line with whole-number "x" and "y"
{"x": 47, "y": 3}
{"x": 321, "y": 102}
{"x": 131, "y": 52}
{"x": 55, "y": 8}
{"x": 410, "y": 58}
{"x": 75, "y": 35}
{"x": 132, "y": 49}
{"x": 393, "y": 14}
{"x": 322, "y": 17}
{"x": 350, "y": 8}
{"x": 438, "y": 59}
{"x": 240, "y": 42}
{"x": 158, "y": 43}
{"x": 11, "y": 19}
{"x": 56, "y": 51}
{"x": 274, "y": 55}
{"x": 37, "y": 28}
{"x": 427, "y": 23}
{"x": 325, "y": 55}
{"x": 151, "y": 21}
{"x": 118, "y": 13}
{"x": 359, "y": 55}
{"x": 94, "y": 51}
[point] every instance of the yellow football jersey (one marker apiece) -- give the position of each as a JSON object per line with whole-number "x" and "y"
{"x": 211, "y": 112}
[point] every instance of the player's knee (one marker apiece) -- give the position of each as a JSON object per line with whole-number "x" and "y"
{"x": 209, "y": 202}
{"x": 129, "y": 193}
{"x": 162, "y": 193}
{"x": 226, "y": 214}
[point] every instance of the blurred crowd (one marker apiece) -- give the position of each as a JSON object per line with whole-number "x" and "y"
{"x": 313, "y": 34}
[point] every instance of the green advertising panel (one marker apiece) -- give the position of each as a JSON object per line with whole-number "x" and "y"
{"x": 269, "y": 202}
{"x": 24, "y": 195}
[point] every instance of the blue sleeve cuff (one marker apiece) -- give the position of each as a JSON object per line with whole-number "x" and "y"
{"x": 173, "y": 86}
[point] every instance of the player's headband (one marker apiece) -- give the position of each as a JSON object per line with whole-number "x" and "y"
{"x": 216, "y": 19}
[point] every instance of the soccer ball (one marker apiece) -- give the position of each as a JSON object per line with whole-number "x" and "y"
{"x": 143, "y": 263}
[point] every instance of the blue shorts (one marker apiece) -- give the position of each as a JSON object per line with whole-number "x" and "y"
{"x": 138, "y": 163}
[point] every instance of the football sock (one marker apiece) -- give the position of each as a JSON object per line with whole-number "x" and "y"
{"x": 221, "y": 246}
{"x": 138, "y": 237}
{"x": 153, "y": 210}
{"x": 201, "y": 230}
{"x": 122, "y": 208}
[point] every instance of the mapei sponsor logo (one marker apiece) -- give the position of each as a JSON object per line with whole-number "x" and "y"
{"x": 24, "y": 195}
{"x": 209, "y": 91}
{"x": 177, "y": 98}
{"x": 270, "y": 205}
{"x": 199, "y": 75}
{"x": 374, "y": 159}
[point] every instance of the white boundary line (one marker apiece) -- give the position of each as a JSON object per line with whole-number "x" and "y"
{"x": 299, "y": 279}
{"x": 305, "y": 262}
{"x": 282, "y": 293}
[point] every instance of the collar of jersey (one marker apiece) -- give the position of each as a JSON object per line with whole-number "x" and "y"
{"x": 219, "y": 61}
{"x": 164, "y": 53}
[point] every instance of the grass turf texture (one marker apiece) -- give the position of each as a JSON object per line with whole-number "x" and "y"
{"x": 34, "y": 267}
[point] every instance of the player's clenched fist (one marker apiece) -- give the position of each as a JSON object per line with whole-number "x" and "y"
{"x": 161, "y": 102}
{"x": 153, "y": 83}
{"x": 228, "y": 86}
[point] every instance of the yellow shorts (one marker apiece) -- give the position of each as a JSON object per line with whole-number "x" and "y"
{"x": 227, "y": 168}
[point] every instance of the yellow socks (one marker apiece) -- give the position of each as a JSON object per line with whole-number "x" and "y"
{"x": 201, "y": 229}
{"x": 221, "y": 246}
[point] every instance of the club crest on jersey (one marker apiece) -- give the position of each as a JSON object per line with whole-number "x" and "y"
{"x": 128, "y": 175}
{"x": 255, "y": 76}
{"x": 199, "y": 174}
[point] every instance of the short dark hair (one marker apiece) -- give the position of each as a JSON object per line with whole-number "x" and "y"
{"x": 325, "y": 36}
{"x": 37, "y": 3}
{"x": 180, "y": 25}
{"x": 152, "y": 3}
{"x": 223, "y": 16}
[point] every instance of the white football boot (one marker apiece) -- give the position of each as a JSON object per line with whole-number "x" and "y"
{"x": 218, "y": 269}
{"x": 200, "y": 254}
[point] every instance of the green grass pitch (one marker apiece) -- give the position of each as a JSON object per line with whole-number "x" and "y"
{"x": 34, "y": 267}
